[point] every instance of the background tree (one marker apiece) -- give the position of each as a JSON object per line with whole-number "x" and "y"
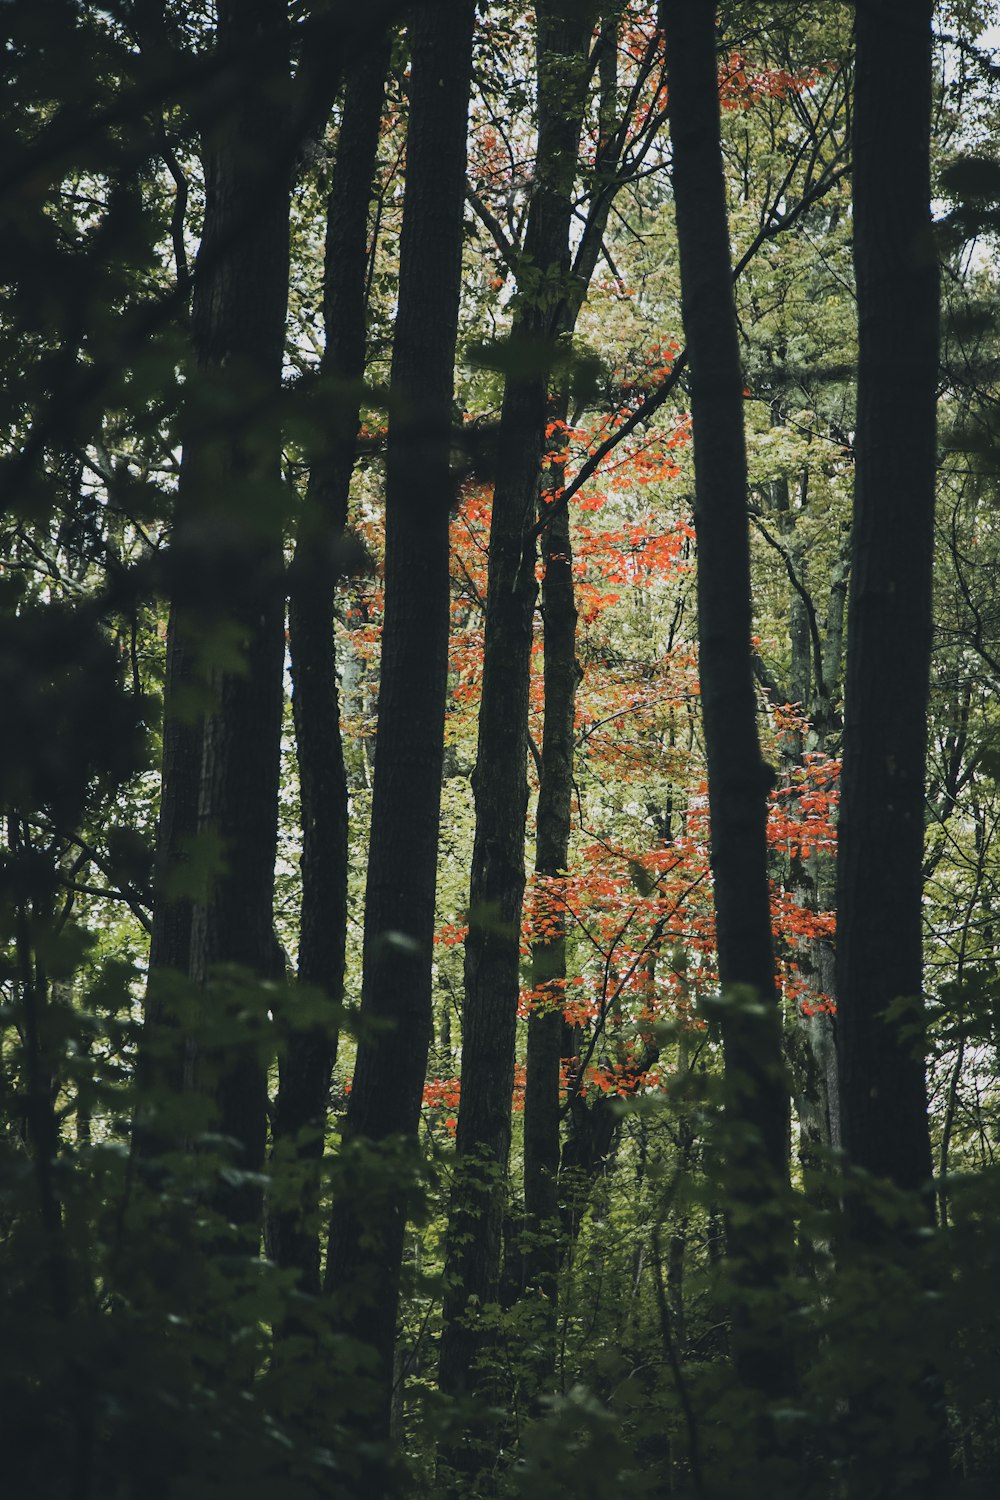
{"x": 882, "y": 798}
{"x": 399, "y": 907}
{"x": 738, "y": 780}
{"x": 881, "y": 825}
{"x": 492, "y": 964}
{"x": 322, "y": 553}
{"x": 230, "y": 523}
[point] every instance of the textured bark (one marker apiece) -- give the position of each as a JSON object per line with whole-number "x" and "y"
{"x": 883, "y": 1092}
{"x": 364, "y": 1261}
{"x": 738, "y": 781}
{"x": 180, "y": 776}
{"x": 833, "y": 647}
{"x": 492, "y": 953}
{"x": 224, "y": 572}
{"x": 810, "y": 1040}
{"x": 229, "y": 541}
{"x": 879, "y": 884}
{"x": 160, "y": 1068}
{"x": 320, "y": 556}
{"x": 549, "y": 1038}
{"x": 546, "y": 1024}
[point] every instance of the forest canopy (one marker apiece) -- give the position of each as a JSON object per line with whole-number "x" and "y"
{"x": 500, "y": 767}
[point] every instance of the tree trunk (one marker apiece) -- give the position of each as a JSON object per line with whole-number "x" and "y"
{"x": 546, "y": 1022}
{"x": 230, "y": 543}
{"x": 320, "y": 557}
{"x": 549, "y": 1037}
{"x": 492, "y": 954}
{"x": 180, "y": 776}
{"x": 881, "y": 829}
{"x": 810, "y": 1041}
{"x": 161, "y": 1064}
{"x": 366, "y": 1248}
{"x": 756, "y": 1133}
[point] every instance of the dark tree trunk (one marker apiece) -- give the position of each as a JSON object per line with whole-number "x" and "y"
{"x": 546, "y": 1023}
{"x": 365, "y": 1257}
{"x": 756, "y": 1133}
{"x": 549, "y": 1038}
{"x": 492, "y": 954}
{"x": 881, "y": 830}
{"x": 180, "y": 777}
{"x": 306, "y": 1065}
{"x": 160, "y": 1068}
{"x": 229, "y": 542}
{"x": 536, "y": 1265}
{"x": 814, "y": 676}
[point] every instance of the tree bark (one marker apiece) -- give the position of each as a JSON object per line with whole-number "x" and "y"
{"x": 881, "y": 828}
{"x": 160, "y": 1066}
{"x": 546, "y": 1021}
{"x": 230, "y": 541}
{"x": 321, "y": 556}
{"x": 549, "y": 1037}
{"x": 492, "y": 954}
{"x": 180, "y": 775}
{"x": 814, "y": 677}
{"x": 756, "y": 1114}
{"x": 366, "y": 1248}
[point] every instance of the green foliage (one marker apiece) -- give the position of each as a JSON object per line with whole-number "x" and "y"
{"x": 146, "y": 1348}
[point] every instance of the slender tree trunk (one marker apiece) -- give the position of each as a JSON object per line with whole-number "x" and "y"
{"x": 546, "y": 1022}
{"x": 320, "y": 557}
{"x": 757, "y": 1106}
{"x": 810, "y": 1041}
{"x": 161, "y": 1064}
{"x": 230, "y": 542}
{"x": 160, "y": 1067}
{"x": 549, "y": 1037}
{"x": 366, "y": 1249}
{"x": 492, "y": 954}
{"x": 180, "y": 777}
{"x": 881, "y": 831}
{"x": 542, "y": 1246}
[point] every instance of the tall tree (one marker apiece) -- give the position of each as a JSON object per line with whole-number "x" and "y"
{"x": 548, "y": 1035}
{"x": 161, "y": 1060}
{"x": 320, "y": 557}
{"x": 492, "y": 954}
{"x": 228, "y": 545}
{"x": 224, "y": 570}
{"x": 812, "y": 683}
{"x": 738, "y": 780}
{"x": 881, "y": 829}
{"x": 366, "y": 1243}
{"x": 546, "y": 1026}
{"x": 883, "y": 1095}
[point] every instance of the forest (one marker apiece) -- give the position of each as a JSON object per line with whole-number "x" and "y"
{"x": 500, "y": 756}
